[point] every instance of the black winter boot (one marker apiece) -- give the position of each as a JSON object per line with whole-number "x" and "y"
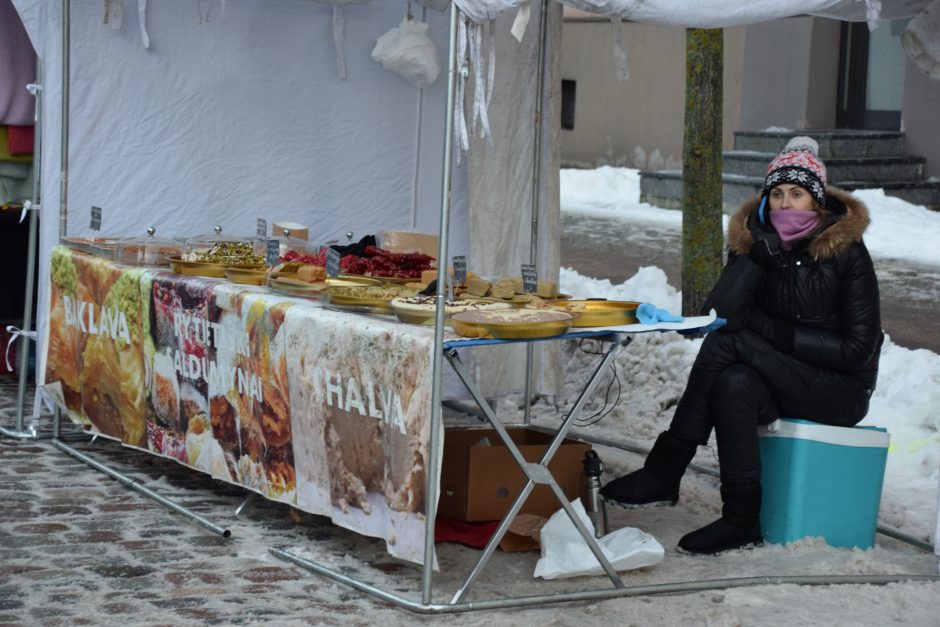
{"x": 657, "y": 483}
{"x": 738, "y": 527}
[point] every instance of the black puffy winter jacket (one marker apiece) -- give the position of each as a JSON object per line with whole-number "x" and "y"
{"x": 822, "y": 295}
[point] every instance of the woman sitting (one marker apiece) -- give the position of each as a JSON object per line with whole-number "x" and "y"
{"x": 803, "y": 340}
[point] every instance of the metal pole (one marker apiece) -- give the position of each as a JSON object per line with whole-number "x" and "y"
{"x": 536, "y": 188}
{"x": 434, "y": 442}
{"x": 528, "y": 469}
{"x": 679, "y": 587}
{"x": 56, "y": 421}
{"x": 64, "y": 157}
{"x": 23, "y": 361}
{"x": 135, "y": 485}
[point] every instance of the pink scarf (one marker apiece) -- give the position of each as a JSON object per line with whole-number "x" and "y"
{"x": 793, "y": 225}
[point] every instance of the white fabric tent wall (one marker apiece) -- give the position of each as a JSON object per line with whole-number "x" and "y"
{"x": 223, "y": 122}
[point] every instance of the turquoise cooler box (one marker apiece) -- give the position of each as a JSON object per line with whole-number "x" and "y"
{"x": 821, "y": 481}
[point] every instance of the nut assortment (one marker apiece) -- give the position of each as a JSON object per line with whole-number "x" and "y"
{"x": 228, "y": 254}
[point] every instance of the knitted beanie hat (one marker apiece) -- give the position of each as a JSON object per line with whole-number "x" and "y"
{"x": 799, "y": 164}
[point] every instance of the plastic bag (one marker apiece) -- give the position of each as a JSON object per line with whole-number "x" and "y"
{"x": 407, "y": 51}
{"x": 565, "y": 553}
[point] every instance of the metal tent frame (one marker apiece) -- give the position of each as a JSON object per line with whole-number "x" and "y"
{"x": 536, "y": 473}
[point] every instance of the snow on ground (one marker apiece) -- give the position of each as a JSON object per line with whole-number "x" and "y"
{"x": 615, "y": 192}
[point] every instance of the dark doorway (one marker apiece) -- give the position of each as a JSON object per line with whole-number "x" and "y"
{"x": 871, "y": 76}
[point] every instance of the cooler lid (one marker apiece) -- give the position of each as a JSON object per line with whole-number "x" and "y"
{"x": 868, "y": 437}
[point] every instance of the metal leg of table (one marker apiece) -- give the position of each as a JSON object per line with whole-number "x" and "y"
{"x": 56, "y": 422}
{"x": 135, "y": 485}
{"x": 536, "y": 473}
{"x": 17, "y": 435}
{"x": 244, "y": 504}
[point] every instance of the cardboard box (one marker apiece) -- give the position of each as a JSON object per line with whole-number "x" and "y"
{"x": 821, "y": 481}
{"x": 479, "y": 481}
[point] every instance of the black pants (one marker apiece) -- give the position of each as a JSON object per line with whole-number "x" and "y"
{"x": 739, "y": 381}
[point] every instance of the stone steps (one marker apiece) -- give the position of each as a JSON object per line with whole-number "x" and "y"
{"x": 854, "y": 160}
{"x": 832, "y": 143}
{"x": 838, "y": 169}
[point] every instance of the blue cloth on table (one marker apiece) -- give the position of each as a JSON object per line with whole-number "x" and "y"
{"x": 651, "y": 314}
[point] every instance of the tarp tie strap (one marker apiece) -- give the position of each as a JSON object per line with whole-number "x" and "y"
{"x": 15, "y": 334}
{"x": 460, "y": 120}
{"x": 142, "y": 20}
{"x": 339, "y": 40}
{"x": 28, "y": 206}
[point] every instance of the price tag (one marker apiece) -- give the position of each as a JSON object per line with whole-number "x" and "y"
{"x": 96, "y": 218}
{"x": 273, "y": 251}
{"x": 262, "y": 227}
{"x": 332, "y": 262}
{"x": 460, "y": 269}
{"x": 530, "y": 280}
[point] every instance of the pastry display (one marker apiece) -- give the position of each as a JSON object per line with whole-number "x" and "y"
{"x": 367, "y": 298}
{"x": 375, "y": 262}
{"x": 422, "y": 309}
{"x": 595, "y": 313}
{"x": 227, "y": 254}
{"x": 103, "y": 247}
{"x": 311, "y": 273}
{"x": 149, "y": 250}
{"x": 512, "y": 323}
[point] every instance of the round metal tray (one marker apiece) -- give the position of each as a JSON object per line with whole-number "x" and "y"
{"x": 484, "y": 324}
{"x": 197, "y": 268}
{"x": 289, "y": 285}
{"x": 368, "y": 305}
{"x": 247, "y": 276}
{"x": 599, "y": 313}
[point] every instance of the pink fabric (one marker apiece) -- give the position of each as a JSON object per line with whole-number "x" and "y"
{"x": 17, "y": 68}
{"x": 793, "y": 225}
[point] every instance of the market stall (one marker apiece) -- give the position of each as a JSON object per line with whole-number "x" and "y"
{"x": 357, "y": 153}
{"x": 308, "y": 128}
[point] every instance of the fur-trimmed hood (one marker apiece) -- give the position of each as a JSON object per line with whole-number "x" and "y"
{"x": 842, "y": 231}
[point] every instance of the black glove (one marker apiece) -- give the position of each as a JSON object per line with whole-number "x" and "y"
{"x": 766, "y": 247}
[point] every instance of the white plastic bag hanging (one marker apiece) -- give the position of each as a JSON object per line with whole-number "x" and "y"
{"x": 339, "y": 32}
{"x": 566, "y": 554}
{"x": 407, "y": 51}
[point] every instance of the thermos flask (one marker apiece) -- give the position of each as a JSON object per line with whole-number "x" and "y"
{"x": 593, "y": 503}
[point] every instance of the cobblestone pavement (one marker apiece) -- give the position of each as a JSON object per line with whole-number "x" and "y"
{"x": 80, "y": 548}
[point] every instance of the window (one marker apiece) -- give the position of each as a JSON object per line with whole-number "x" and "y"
{"x": 567, "y": 104}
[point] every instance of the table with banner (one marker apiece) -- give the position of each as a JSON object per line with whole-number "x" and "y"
{"x": 328, "y": 411}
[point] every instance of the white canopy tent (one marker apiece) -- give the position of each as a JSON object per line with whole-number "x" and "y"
{"x": 223, "y": 121}
{"x": 238, "y": 107}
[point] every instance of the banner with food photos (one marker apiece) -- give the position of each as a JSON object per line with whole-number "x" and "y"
{"x": 326, "y": 411}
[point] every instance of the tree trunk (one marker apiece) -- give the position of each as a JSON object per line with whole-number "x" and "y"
{"x": 701, "y": 168}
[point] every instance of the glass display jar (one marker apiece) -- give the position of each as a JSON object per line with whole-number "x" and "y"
{"x": 149, "y": 250}
{"x": 225, "y": 250}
